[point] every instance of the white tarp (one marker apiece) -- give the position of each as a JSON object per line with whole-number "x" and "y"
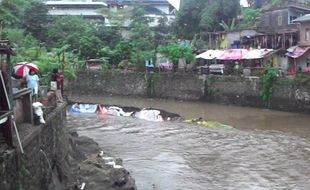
{"x": 210, "y": 54}
{"x": 149, "y": 115}
{"x": 257, "y": 53}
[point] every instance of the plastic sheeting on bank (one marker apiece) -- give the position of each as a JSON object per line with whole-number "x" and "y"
{"x": 146, "y": 114}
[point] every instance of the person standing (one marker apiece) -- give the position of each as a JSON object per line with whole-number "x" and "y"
{"x": 55, "y": 77}
{"x": 33, "y": 83}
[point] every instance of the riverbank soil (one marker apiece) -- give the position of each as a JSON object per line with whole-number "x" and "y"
{"x": 84, "y": 166}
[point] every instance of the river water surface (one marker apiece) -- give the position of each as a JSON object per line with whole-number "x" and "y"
{"x": 266, "y": 149}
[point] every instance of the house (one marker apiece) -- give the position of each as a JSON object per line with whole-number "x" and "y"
{"x": 86, "y": 8}
{"x": 230, "y": 39}
{"x": 299, "y": 55}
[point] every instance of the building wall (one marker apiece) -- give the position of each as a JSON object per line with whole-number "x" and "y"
{"x": 236, "y": 35}
{"x": 303, "y": 62}
{"x": 304, "y": 34}
{"x": 274, "y": 21}
{"x": 74, "y": 11}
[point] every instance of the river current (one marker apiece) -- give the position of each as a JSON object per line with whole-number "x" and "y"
{"x": 265, "y": 149}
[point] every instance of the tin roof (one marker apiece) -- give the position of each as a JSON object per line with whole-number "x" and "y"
{"x": 304, "y": 18}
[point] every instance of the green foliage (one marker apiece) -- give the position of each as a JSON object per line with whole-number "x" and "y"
{"x": 19, "y": 38}
{"x": 267, "y": 80}
{"x": 175, "y": 51}
{"x": 302, "y": 79}
{"x": 35, "y": 19}
{"x": 197, "y": 16}
{"x": 125, "y": 64}
{"x": 76, "y": 32}
{"x": 227, "y": 27}
{"x": 110, "y": 36}
{"x": 217, "y": 11}
{"x": 188, "y": 18}
{"x": 140, "y": 37}
{"x": 12, "y": 12}
{"x": 249, "y": 16}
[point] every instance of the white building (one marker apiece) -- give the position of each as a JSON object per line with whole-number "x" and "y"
{"x": 86, "y": 8}
{"x": 90, "y": 8}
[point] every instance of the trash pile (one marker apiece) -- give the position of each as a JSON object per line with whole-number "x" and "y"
{"x": 209, "y": 124}
{"x": 148, "y": 114}
{"x": 37, "y": 107}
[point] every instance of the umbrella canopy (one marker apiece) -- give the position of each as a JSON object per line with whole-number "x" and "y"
{"x": 257, "y": 53}
{"x": 210, "y": 54}
{"x": 23, "y": 68}
{"x": 233, "y": 54}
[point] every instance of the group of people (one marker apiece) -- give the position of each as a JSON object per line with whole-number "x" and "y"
{"x": 32, "y": 80}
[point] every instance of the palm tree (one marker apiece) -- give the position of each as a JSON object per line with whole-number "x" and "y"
{"x": 230, "y": 27}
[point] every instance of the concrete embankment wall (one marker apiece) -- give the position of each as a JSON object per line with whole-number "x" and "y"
{"x": 245, "y": 92}
{"x": 216, "y": 89}
{"x": 186, "y": 87}
{"x": 44, "y": 148}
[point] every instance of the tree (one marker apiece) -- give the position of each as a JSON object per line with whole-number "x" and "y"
{"x": 110, "y": 36}
{"x": 227, "y": 27}
{"x": 176, "y": 51}
{"x": 249, "y": 17}
{"x": 12, "y": 12}
{"x": 140, "y": 36}
{"x": 196, "y": 16}
{"x": 76, "y": 32}
{"x": 188, "y": 18}
{"x": 35, "y": 20}
{"x": 217, "y": 11}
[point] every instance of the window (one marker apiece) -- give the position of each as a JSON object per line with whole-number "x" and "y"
{"x": 279, "y": 20}
{"x": 307, "y": 34}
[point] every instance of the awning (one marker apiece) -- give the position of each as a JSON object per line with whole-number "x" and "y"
{"x": 210, "y": 54}
{"x": 296, "y": 52}
{"x": 257, "y": 53}
{"x": 233, "y": 54}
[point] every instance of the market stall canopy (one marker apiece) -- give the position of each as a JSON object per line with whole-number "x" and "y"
{"x": 296, "y": 52}
{"x": 233, "y": 54}
{"x": 210, "y": 54}
{"x": 257, "y": 53}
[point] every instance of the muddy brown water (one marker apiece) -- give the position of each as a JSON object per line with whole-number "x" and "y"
{"x": 265, "y": 149}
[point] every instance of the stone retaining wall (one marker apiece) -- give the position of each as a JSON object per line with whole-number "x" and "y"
{"x": 43, "y": 148}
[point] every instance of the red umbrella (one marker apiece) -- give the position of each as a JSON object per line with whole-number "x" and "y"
{"x": 23, "y": 68}
{"x": 308, "y": 69}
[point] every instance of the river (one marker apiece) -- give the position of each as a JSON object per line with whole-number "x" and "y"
{"x": 265, "y": 149}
